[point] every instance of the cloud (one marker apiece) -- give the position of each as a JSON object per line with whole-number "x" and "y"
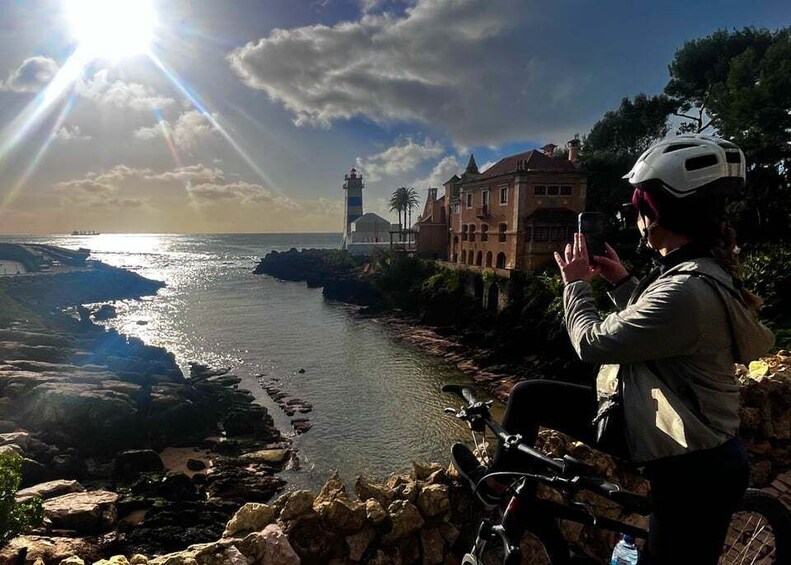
{"x": 475, "y": 69}
{"x": 398, "y": 159}
{"x": 68, "y": 134}
{"x": 242, "y": 193}
{"x": 442, "y": 171}
{"x": 190, "y": 129}
{"x": 31, "y": 76}
{"x": 105, "y": 91}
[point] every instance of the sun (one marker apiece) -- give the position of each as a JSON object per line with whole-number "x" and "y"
{"x": 112, "y": 29}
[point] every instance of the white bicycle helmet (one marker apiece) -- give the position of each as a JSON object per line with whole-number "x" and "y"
{"x": 689, "y": 165}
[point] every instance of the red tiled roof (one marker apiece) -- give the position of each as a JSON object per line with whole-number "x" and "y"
{"x": 529, "y": 161}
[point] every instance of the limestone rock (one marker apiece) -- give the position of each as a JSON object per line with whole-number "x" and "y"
{"x": 114, "y": 560}
{"x": 222, "y": 552}
{"x": 83, "y": 512}
{"x": 374, "y": 511}
{"x": 73, "y": 560}
{"x": 367, "y": 489}
{"x": 449, "y": 533}
{"x": 298, "y": 503}
{"x": 269, "y": 547}
{"x": 252, "y": 517}
{"x": 406, "y": 519}
{"x": 22, "y": 439}
{"x": 433, "y": 501}
{"x": 11, "y": 449}
{"x": 272, "y": 456}
{"x": 49, "y": 489}
{"x": 331, "y": 490}
{"x": 423, "y": 472}
{"x": 359, "y": 542}
{"x": 342, "y": 515}
{"x": 138, "y": 560}
{"x": 50, "y": 549}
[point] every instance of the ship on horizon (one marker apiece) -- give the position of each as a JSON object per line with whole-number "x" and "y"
{"x": 84, "y": 232}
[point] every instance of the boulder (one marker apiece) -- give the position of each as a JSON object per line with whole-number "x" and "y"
{"x": 50, "y": 549}
{"x": 73, "y": 560}
{"x": 342, "y": 515}
{"x": 195, "y": 465}
{"x": 269, "y": 547}
{"x": 217, "y": 553}
{"x": 11, "y": 449}
{"x": 366, "y": 489}
{"x": 358, "y": 543}
{"x": 374, "y": 511}
{"x": 271, "y": 456}
{"x": 138, "y": 560}
{"x": 433, "y": 546}
{"x": 105, "y": 312}
{"x": 22, "y": 439}
{"x": 49, "y": 489}
{"x": 252, "y": 517}
{"x": 423, "y": 472}
{"x": 134, "y": 462}
{"x": 299, "y": 502}
{"x": 433, "y": 501}
{"x": 114, "y": 560}
{"x": 406, "y": 519}
{"x": 82, "y": 512}
{"x": 332, "y": 489}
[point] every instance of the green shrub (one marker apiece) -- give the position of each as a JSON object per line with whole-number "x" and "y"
{"x": 766, "y": 272}
{"x": 15, "y": 516}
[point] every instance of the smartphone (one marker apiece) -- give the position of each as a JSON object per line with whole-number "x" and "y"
{"x": 591, "y": 225}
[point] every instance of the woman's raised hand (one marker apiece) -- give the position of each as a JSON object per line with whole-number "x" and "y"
{"x": 575, "y": 265}
{"x": 610, "y": 267}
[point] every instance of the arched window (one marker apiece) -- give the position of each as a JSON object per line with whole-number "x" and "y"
{"x": 479, "y": 259}
{"x": 464, "y": 232}
{"x": 463, "y": 256}
{"x": 472, "y": 232}
{"x": 501, "y": 229}
{"x": 501, "y": 260}
{"x": 484, "y": 232}
{"x": 489, "y": 259}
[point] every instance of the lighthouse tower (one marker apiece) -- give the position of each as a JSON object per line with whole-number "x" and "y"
{"x": 353, "y": 203}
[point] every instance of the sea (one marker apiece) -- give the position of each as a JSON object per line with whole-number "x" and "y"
{"x": 377, "y": 404}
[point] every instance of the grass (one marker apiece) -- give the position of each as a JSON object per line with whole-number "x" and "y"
{"x": 13, "y": 311}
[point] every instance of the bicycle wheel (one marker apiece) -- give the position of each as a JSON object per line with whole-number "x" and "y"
{"x": 759, "y": 533}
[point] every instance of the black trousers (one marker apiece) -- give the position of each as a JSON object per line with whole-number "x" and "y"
{"x": 693, "y": 495}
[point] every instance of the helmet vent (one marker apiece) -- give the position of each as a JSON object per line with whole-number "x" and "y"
{"x": 677, "y": 146}
{"x": 733, "y": 157}
{"x": 697, "y": 163}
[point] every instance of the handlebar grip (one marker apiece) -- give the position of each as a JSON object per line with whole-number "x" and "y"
{"x": 466, "y": 392}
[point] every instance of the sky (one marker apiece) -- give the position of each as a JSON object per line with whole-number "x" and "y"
{"x": 245, "y": 115}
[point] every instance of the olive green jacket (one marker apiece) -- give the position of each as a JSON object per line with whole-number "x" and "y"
{"x": 672, "y": 347}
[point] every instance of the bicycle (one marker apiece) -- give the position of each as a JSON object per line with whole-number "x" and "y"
{"x": 760, "y": 530}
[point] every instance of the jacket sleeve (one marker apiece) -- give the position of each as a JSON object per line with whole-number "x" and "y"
{"x": 621, "y": 294}
{"x": 662, "y": 323}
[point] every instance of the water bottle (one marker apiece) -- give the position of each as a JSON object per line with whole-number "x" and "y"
{"x": 625, "y": 552}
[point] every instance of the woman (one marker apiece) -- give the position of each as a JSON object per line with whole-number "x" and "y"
{"x": 666, "y": 386}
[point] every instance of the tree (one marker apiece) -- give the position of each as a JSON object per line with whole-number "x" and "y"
{"x": 738, "y": 85}
{"x": 412, "y": 201}
{"x": 396, "y": 204}
{"x": 15, "y": 516}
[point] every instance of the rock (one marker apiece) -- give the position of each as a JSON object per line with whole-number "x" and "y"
{"x": 195, "y": 465}
{"x": 272, "y": 456}
{"x": 433, "y": 546}
{"x": 449, "y": 533}
{"x": 222, "y": 552}
{"x": 49, "y": 489}
{"x": 309, "y": 538}
{"x": 358, "y": 543}
{"x": 422, "y": 472}
{"x": 73, "y": 560}
{"x": 406, "y": 519}
{"x": 332, "y": 489}
{"x": 342, "y": 515}
{"x": 177, "y": 486}
{"x": 269, "y": 547}
{"x": 366, "y": 489}
{"x": 50, "y": 549}
{"x": 83, "y": 512}
{"x": 301, "y": 425}
{"x": 374, "y": 512}
{"x": 114, "y": 560}
{"x": 11, "y": 449}
{"x": 134, "y": 462}
{"x": 138, "y": 560}
{"x": 433, "y": 501}
{"x": 22, "y": 439}
{"x": 34, "y": 472}
{"x": 252, "y": 517}
{"x": 105, "y": 312}
{"x": 298, "y": 503}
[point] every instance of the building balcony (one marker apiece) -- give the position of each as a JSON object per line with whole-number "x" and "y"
{"x": 482, "y": 211}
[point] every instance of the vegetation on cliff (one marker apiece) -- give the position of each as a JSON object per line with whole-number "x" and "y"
{"x": 15, "y": 516}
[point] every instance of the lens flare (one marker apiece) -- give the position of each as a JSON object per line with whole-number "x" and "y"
{"x": 112, "y": 28}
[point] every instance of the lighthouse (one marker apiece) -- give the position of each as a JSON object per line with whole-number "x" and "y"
{"x": 353, "y": 203}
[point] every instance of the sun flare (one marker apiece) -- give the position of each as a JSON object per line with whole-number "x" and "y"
{"x": 112, "y": 28}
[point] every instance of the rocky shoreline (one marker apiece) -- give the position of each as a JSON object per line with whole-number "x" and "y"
{"x": 127, "y": 453}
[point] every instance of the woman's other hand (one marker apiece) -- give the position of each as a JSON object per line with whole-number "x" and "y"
{"x": 610, "y": 267}
{"x": 575, "y": 265}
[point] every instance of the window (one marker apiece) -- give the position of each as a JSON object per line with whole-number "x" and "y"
{"x": 501, "y": 260}
{"x": 553, "y": 190}
{"x": 489, "y": 259}
{"x": 540, "y": 190}
{"x": 485, "y": 198}
{"x": 565, "y": 190}
{"x": 528, "y": 233}
{"x": 501, "y": 230}
{"x": 479, "y": 259}
{"x": 472, "y": 232}
{"x": 485, "y": 232}
{"x": 464, "y": 233}
{"x": 469, "y": 199}
{"x": 541, "y": 233}
{"x": 504, "y": 195}
{"x": 456, "y": 208}
{"x": 558, "y": 233}
{"x": 463, "y": 256}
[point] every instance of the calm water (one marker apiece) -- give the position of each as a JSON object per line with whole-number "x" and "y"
{"x": 377, "y": 404}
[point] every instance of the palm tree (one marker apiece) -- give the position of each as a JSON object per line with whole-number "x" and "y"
{"x": 397, "y": 205}
{"x": 412, "y": 199}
